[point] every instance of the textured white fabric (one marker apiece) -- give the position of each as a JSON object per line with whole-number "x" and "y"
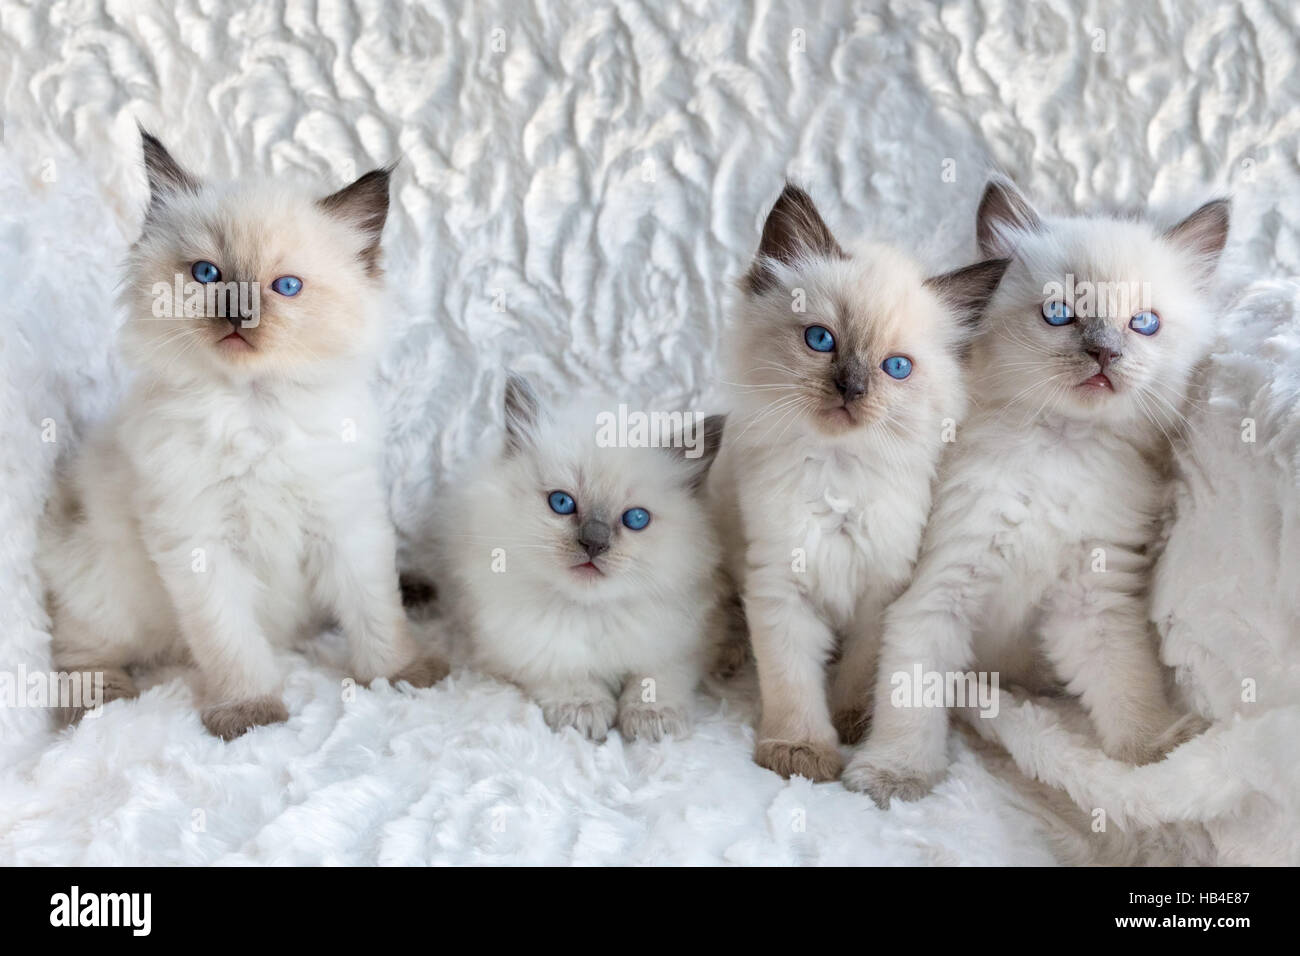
{"x": 578, "y": 186}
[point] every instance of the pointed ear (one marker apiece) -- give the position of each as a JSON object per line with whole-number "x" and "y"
{"x": 703, "y": 451}
{"x": 522, "y": 409}
{"x": 794, "y": 230}
{"x": 166, "y": 176}
{"x": 1003, "y": 212}
{"x": 967, "y": 290}
{"x": 1205, "y": 231}
{"x": 364, "y": 205}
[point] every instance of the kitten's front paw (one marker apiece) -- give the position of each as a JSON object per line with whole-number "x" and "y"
{"x": 423, "y": 671}
{"x": 117, "y": 685}
{"x": 229, "y": 721}
{"x": 591, "y": 718}
{"x": 653, "y": 722}
{"x": 1144, "y": 749}
{"x": 805, "y": 758}
{"x": 883, "y": 781}
{"x": 852, "y": 723}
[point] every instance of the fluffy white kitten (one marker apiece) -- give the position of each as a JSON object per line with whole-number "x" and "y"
{"x": 1035, "y": 563}
{"x": 847, "y": 371}
{"x": 235, "y": 500}
{"x": 586, "y": 574}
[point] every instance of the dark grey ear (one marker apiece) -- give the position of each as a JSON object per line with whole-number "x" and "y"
{"x": 794, "y": 230}
{"x": 704, "y": 450}
{"x": 1003, "y": 212}
{"x": 967, "y": 290}
{"x": 1205, "y": 231}
{"x": 166, "y": 177}
{"x": 522, "y": 408}
{"x": 364, "y": 205}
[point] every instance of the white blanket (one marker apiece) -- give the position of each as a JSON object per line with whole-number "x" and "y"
{"x": 578, "y": 186}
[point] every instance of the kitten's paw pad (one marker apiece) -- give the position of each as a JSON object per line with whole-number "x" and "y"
{"x": 883, "y": 783}
{"x": 229, "y": 721}
{"x": 423, "y": 671}
{"x": 852, "y": 723}
{"x": 652, "y": 722}
{"x": 113, "y": 684}
{"x": 591, "y": 718}
{"x": 815, "y": 761}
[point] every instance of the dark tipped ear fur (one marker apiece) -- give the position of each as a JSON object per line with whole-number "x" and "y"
{"x": 166, "y": 176}
{"x": 1205, "y": 231}
{"x": 1003, "y": 210}
{"x": 364, "y": 204}
{"x": 522, "y": 408}
{"x": 968, "y": 290}
{"x": 794, "y": 230}
{"x": 708, "y": 437}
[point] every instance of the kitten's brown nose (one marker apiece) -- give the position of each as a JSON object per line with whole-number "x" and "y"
{"x": 594, "y": 537}
{"x": 1103, "y": 356}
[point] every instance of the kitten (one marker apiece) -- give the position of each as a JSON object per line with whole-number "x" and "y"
{"x": 235, "y": 500}
{"x": 1047, "y": 509}
{"x": 847, "y": 370}
{"x": 586, "y": 574}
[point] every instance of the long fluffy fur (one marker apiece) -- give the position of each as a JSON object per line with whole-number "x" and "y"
{"x": 822, "y": 506}
{"x": 1036, "y": 560}
{"x": 623, "y": 648}
{"x": 234, "y": 502}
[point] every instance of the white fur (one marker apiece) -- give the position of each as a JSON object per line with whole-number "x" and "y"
{"x": 1037, "y": 557}
{"x": 823, "y": 522}
{"x": 585, "y": 646}
{"x": 234, "y": 501}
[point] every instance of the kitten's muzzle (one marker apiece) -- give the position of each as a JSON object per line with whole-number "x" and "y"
{"x": 1104, "y": 343}
{"x": 594, "y": 537}
{"x": 851, "y": 381}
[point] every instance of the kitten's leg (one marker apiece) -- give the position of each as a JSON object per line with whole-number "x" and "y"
{"x": 98, "y": 683}
{"x": 791, "y": 645}
{"x": 1097, "y": 636}
{"x": 730, "y": 631}
{"x": 853, "y": 684}
{"x": 354, "y": 575}
{"x": 586, "y": 705}
{"x": 214, "y": 608}
{"x": 930, "y": 627}
{"x": 657, "y": 702}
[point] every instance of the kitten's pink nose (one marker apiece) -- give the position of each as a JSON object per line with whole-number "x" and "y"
{"x": 1103, "y": 356}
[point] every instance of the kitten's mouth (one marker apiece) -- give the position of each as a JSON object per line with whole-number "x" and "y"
{"x": 233, "y": 342}
{"x": 1098, "y": 381}
{"x": 840, "y": 414}
{"x": 588, "y": 569}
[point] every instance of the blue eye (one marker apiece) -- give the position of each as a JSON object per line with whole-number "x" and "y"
{"x": 1148, "y": 323}
{"x": 636, "y": 518}
{"x": 897, "y": 366}
{"x": 287, "y": 285}
{"x": 205, "y": 272}
{"x": 562, "y": 503}
{"x": 1057, "y": 313}
{"x": 819, "y": 339}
